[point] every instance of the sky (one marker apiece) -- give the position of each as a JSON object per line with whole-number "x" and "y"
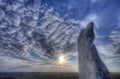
{"x": 41, "y": 35}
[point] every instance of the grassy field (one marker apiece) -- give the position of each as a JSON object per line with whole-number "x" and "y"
{"x": 23, "y": 75}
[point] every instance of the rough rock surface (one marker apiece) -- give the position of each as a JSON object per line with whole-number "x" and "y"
{"x": 90, "y": 64}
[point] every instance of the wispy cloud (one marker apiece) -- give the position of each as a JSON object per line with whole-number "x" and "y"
{"x": 34, "y": 33}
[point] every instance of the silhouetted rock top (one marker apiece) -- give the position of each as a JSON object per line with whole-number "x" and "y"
{"x": 90, "y": 64}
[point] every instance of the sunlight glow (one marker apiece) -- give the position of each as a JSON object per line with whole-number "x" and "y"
{"x": 62, "y": 59}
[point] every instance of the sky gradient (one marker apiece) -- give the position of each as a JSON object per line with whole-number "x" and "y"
{"x": 35, "y": 33}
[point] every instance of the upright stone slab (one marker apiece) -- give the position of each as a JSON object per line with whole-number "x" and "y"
{"x": 90, "y": 64}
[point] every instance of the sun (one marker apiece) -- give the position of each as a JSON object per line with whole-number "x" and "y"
{"x": 62, "y": 59}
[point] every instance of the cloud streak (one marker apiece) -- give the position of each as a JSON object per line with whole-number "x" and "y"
{"x": 38, "y": 31}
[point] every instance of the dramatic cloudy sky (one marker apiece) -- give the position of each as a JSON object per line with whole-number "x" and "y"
{"x": 34, "y": 34}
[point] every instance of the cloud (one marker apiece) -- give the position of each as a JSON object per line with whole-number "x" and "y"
{"x": 36, "y": 30}
{"x": 31, "y": 32}
{"x": 76, "y": 9}
{"x": 109, "y": 48}
{"x": 115, "y": 38}
{"x": 108, "y": 12}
